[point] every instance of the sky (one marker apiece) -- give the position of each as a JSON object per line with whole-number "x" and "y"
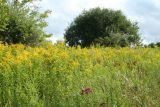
{"x": 145, "y": 12}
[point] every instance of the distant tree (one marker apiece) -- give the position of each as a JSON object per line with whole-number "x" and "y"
{"x": 23, "y": 23}
{"x": 158, "y": 44}
{"x": 103, "y": 26}
{"x": 145, "y": 45}
{"x": 152, "y": 45}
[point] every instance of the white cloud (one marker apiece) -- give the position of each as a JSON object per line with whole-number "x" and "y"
{"x": 147, "y": 13}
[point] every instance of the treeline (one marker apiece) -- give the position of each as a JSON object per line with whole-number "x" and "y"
{"x": 153, "y": 45}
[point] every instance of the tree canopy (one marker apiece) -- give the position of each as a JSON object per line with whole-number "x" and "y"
{"x": 21, "y": 22}
{"x": 102, "y": 26}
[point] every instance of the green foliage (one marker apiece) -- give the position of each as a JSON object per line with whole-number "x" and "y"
{"x": 24, "y": 24}
{"x": 158, "y": 44}
{"x": 152, "y": 45}
{"x": 100, "y": 23}
{"x": 3, "y": 15}
{"x": 56, "y": 76}
{"x": 113, "y": 40}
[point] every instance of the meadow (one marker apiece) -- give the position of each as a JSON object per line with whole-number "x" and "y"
{"x": 58, "y": 76}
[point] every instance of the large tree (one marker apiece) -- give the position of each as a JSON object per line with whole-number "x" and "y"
{"x": 97, "y": 25}
{"x": 22, "y": 23}
{"x": 3, "y": 14}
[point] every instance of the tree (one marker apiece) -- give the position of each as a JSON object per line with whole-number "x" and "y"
{"x": 152, "y": 45}
{"x": 3, "y": 15}
{"x": 158, "y": 44}
{"x": 114, "y": 40}
{"x": 101, "y": 24}
{"x": 24, "y": 23}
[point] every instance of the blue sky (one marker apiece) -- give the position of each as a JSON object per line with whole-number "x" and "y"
{"x": 145, "y": 12}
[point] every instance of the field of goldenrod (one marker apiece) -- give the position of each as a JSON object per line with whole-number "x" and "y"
{"x": 57, "y": 76}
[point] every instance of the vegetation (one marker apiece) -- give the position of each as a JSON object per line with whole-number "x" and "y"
{"x": 57, "y": 76}
{"x": 100, "y": 26}
{"x": 153, "y": 45}
{"x": 20, "y": 22}
{"x": 158, "y": 44}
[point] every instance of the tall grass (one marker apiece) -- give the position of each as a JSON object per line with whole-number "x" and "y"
{"x": 57, "y": 76}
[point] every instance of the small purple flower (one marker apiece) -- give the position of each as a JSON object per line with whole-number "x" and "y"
{"x": 86, "y": 91}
